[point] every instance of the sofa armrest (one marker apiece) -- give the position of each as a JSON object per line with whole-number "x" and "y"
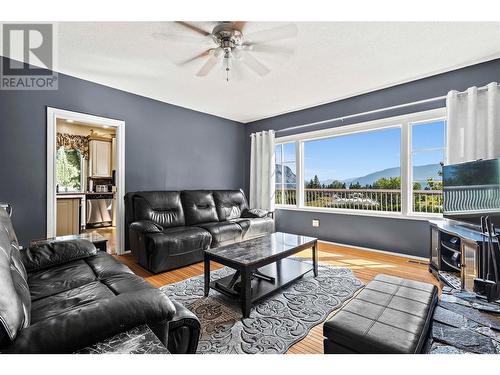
{"x": 256, "y": 213}
{"x": 94, "y": 322}
{"x": 184, "y": 331}
{"x": 53, "y": 253}
{"x": 146, "y": 226}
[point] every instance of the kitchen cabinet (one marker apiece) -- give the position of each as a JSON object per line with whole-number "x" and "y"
{"x": 100, "y": 158}
{"x": 68, "y": 216}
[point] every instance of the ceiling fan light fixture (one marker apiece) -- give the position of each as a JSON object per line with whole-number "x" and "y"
{"x": 229, "y": 44}
{"x": 227, "y": 63}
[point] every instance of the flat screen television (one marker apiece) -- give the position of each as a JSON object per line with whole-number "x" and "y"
{"x": 472, "y": 190}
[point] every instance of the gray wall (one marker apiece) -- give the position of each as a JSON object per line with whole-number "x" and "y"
{"x": 398, "y": 235}
{"x": 167, "y": 147}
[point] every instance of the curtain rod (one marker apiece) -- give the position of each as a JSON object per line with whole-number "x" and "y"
{"x": 342, "y": 118}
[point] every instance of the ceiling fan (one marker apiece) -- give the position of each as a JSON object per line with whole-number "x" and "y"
{"x": 228, "y": 43}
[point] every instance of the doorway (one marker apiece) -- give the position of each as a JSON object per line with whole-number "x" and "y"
{"x": 85, "y": 176}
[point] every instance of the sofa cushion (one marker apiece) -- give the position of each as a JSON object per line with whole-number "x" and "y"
{"x": 60, "y": 278}
{"x": 199, "y": 206}
{"x": 229, "y": 204}
{"x": 223, "y": 233}
{"x": 103, "y": 265}
{"x": 53, "y": 253}
{"x": 15, "y": 303}
{"x": 255, "y": 227}
{"x": 390, "y": 315}
{"x": 106, "y": 287}
{"x": 161, "y": 207}
{"x": 68, "y": 300}
{"x": 179, "y": 241}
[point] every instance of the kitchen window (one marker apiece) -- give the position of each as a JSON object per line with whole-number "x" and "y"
{"x": 69, "y": 174}
{"x": 388, "y": 167}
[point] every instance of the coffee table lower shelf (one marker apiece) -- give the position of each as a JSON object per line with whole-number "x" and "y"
{"x": 284, "y": 271}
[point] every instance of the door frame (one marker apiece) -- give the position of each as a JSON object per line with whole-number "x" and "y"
{"x": 53, "y": 114}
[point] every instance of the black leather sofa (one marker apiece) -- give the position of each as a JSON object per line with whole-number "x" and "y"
{"x": 63, "y": 296}
{"x": 171, "y": 229}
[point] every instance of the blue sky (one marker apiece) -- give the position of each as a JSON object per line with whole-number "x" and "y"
{"x": 360, "y": 154}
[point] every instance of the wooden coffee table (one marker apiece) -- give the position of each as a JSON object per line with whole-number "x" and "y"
{"x": 262, "y": 266}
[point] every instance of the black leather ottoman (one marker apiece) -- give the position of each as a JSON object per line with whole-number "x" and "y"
{"x": 390, "y": 315}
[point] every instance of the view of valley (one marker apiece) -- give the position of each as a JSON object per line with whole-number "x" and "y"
{"x": 378, "y": 191}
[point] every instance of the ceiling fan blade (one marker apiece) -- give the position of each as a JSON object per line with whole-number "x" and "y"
{"x": 239, "y": 25}
{"x": 198, "y": 56}
{"x": 254, "y": 64}
{"x": 238, "y": 72}
{"x": 193, "y": 28}
{"x": 210, "y": 63}
{"x": 182, "y": 38}
{"x": 286, "y": 31}
{"x": 259, "y": 47}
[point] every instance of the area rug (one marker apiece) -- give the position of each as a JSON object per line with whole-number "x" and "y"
{"x": 274, "y": 324}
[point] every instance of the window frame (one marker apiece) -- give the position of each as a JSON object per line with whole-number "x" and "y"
{"x": 282, "y": 163}
{"x": 410, "y": 156}
{"x": 403, "y": 122}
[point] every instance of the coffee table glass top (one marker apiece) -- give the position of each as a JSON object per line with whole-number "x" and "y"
{"x": 261, "y": 248}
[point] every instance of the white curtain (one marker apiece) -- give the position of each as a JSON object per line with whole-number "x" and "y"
{"x": 473, "y": 124}
{"x": 262, "y": 170}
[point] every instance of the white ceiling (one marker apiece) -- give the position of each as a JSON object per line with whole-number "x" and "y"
{"x": 332, "y": 60}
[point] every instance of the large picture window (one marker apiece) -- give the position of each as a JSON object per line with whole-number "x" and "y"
{"x": 389, "y": 166}
{"x": 354, "y": 171}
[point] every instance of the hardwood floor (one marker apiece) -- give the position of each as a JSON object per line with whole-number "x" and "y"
{"x": 364, "y": 264}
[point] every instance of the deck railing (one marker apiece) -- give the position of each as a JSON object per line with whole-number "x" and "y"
{"x": 424, "y": 201}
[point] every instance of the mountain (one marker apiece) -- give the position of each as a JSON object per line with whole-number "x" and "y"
{"x": 290, "y": 177}
{"x": 420, "y": 173}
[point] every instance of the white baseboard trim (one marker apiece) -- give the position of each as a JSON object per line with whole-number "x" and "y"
{"x": 421, "y": 259}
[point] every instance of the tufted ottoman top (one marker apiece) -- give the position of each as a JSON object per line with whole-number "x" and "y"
{"x": 390, "y": 315}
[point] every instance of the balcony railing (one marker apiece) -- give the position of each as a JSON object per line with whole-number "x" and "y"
{"x": 424, "y": 201}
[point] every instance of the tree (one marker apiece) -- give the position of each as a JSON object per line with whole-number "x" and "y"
{"x": 357, "y": 185}
{"x": 434, "y": 185}
{"x": 316, "y": 182}
{"x": 388, "y": 183}
{"x": 67, "y": 174}
{"x": 335, "y": 184}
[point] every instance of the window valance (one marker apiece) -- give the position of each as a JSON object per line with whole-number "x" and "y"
{"x": 71, "y": 141}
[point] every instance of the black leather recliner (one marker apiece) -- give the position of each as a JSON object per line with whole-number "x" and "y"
{"x": 171, "y": 229}
{"x": 64, "y": 296}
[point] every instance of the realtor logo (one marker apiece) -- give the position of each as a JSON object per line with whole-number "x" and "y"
{"x": 30, "y": 63}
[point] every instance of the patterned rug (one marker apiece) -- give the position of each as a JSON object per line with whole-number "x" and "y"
{"x": 276, "y": 323}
